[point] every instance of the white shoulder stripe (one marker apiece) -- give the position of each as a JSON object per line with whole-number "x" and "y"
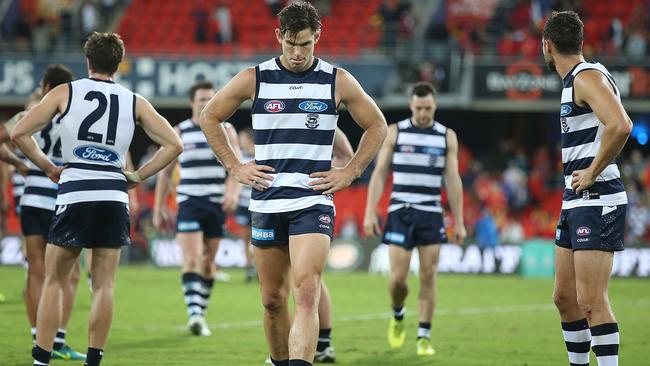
{"x": 324, "y": 67}
{"x": 269, "y": 65}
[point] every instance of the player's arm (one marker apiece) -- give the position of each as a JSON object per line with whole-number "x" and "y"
{"x": 454, "y": 187}
{"x": 35, "y": 120}
{"x": 367, "y": 115}
{"x": 161, "y": 192}
{"x": 232, "y": 187}
{"x": 377, "y": 182}
{"x": 343, "y": 151}
{"x": 591, "y": 87}
{"x": 9, "y": 157}
{"x": 7, "y": 127}
{"x": 222, "y": 105}
{"x": 162, "y": 133}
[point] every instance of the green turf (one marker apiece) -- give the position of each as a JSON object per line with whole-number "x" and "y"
{"x": 481, "y": 320}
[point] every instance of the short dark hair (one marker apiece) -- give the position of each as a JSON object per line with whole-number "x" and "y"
{"x": 200, "y": 85}
{"x": 104, "y": 52}
{"x": 56, "y": 75}
{"x": 422, "y": 89}
{"x": 298, "y": 16}
{"x": 565, "y": 30}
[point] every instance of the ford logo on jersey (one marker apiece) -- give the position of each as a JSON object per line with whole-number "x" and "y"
{"x": 274, "y": 106}
{"x": 95, "y": 153}
{"x": 312, "y": 106}
{"x": 565, "y": 110}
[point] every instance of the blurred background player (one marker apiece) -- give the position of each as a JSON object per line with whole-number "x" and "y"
{"x": 36, "y": 206}
{"x": 92, "y": 200}
{"x": 595, "y": 128}
{"x": 204, "y": 194}
{"x": 421, "y": 152}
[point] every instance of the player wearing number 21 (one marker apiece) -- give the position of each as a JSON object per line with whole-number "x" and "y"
{"x": 97, "y": 121}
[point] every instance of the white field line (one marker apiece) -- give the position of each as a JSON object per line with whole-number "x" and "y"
{"x": 524, "y": 308}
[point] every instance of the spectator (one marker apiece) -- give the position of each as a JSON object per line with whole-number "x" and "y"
{"x": 89, "y": 19}
{"x": 487, "y": 233}
{"x": 222, "y": 16}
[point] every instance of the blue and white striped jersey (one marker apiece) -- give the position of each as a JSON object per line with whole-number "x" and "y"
{"x": 581, "y": 138}
{"x": 294, "y": 122}
{"x": 201, "y": 173}
{"x": 419, "y": 159}
{"x": 96, "y": 131}
{"x": 39, "y": 190}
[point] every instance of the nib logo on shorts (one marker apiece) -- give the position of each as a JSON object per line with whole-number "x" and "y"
{"x": 262, "y": 234}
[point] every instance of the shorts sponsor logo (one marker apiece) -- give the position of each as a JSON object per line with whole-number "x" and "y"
{"x": 188, "y": 225}
{"x": 313, "y": 106}
{"x": 96, "y": 153}
{"x": 583, "y": 231}
{"x": 565, "y": 110}
{"x": 394, "y": 237}
{"x": 582, "y": 240}
{"x": 274, "y": 106}
{"x": 326, "y": 227}
{"x": 558, "y": 234}
{"x": 325, "y": 219}
{"x": 263, "y": 234}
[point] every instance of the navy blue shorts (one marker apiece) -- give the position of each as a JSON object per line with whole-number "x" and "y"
{"x": 273, "y": 229}
{"x": 199, "y": 214}
{"x": 101, "y": 224}
{"x": 408, "y": 228}
{"x": 35, "y": 221}
{"x": 592, "y": 228}
{"x": 242, "y": 216}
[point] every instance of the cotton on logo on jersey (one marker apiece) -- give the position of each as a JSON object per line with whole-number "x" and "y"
{"x": 313, "y": 106}
{"x": 95, "y": 153}
{"x": 583, "y": 231}
{"x": 274, "y": 106}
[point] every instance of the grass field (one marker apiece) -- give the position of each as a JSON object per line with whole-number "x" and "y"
{"x": 480, "y": 320}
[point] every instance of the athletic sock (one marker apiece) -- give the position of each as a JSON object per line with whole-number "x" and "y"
{"x": 193, "y": 292}
{"x": 279, "y": 362}
{"x": 604, "y": 343}
{"x": 299, "y": 363}
{"x": 59, "y": 339}
{"x": 41, "y": 357}
{"x": 398, "y": 312}
{"x": 424, "y": 330}
{"x": 577, "y": 338}
{"x": 324, "y": 339}
{"x": 94, "y": 356}
{"x": 207, "y": 284}
{"x": 33, "y": 331}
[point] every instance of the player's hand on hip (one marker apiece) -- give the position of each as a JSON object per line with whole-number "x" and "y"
{"x": 54, "y": 173}
{"x": 371, "y": 225}
{"x": 459, "y": 234}
{"x": 332, "y": 180}
{"x": 581, "y": 180}
{"x": 253, "y": 175}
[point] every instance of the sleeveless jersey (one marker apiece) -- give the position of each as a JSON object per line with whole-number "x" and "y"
{"x": 201, "y": 174}
{"x": 294, "y": 121}
{"x": 419, "y": 158}
{"x": 581, "y": 139}
{"x": 96, "y": 131}
{"x": 246, "y": 191}
{"x": 40, "y": 191}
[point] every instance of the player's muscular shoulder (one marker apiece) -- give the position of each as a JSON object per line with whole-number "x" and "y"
{"x": 589, "y": 85}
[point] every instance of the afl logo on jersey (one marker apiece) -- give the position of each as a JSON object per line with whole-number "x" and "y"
{"x": 312, "y": 106}
{"x": 583, "y": 231}
{"x": 565, "y": 110}
{"x": 274, "y": 106}
{"x": 95, "y": 153}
